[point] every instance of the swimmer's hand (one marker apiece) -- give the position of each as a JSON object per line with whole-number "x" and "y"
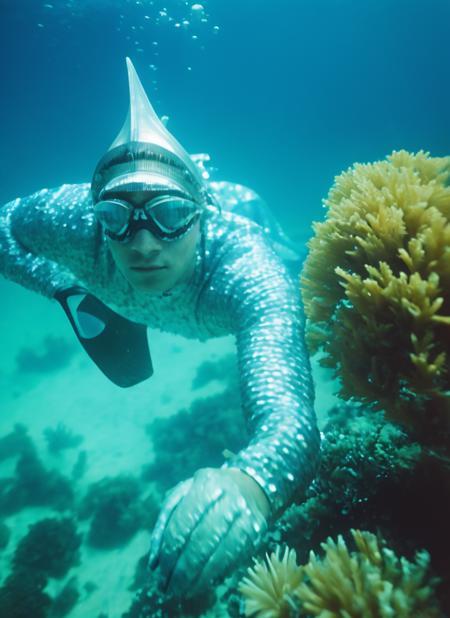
{"x": 207, "y": 525}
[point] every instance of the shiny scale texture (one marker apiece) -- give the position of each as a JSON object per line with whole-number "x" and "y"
{"x": 240, "y": 286}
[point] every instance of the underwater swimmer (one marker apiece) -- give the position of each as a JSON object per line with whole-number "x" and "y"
{"x": 151, "y": 243}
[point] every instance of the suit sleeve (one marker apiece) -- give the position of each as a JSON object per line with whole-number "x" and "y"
{"x": 276, "y": 383}
{"x": 36, "y": 239}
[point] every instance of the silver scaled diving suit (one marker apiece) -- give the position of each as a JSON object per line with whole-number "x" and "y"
{"x": 52, "y": 241}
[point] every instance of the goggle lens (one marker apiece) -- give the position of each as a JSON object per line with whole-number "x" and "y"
{"x": 113, "y": 215}
{"x": 171, "y": 213}
{"x": 167, "y": 214}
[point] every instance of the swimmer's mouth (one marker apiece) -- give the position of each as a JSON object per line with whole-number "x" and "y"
{"x": 145, "y": 269}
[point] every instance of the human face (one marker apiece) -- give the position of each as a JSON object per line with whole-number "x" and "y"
{"x": 153, "y": 265}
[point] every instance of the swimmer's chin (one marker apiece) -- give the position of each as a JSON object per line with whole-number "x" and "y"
{"x": 148, "y": 285}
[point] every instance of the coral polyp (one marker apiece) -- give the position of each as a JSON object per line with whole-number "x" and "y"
{"x": 269, "y": 588}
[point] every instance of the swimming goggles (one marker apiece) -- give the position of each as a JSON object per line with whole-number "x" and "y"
{"x": 168, "y": 217}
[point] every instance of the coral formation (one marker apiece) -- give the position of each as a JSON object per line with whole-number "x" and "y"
{"x": 22, "y": 596}
{"x": 360, "y": 451}
{"x": 376, "y": 286}
{"x": 34, "y": 485}
{"x": 80, "y": 466}
{"x": 224, "y": 369}
{"x": 5, "y": 534}
{"x": 57, "y": 354}
{"x": 60, "y": 438}
{"x": 151, "y": 602}
{"x": 50, "y": 548}
{"x": 189, "y": 440}
{"x": 15, "y": 442}
{"x": 270, "y": 588}
{"x": 371, "y": 582}
{"x": 372, "y": 476}
{"x": 363, "y": 457}
{"x": 117, "y": 511}
{"x": 66, "y": 599}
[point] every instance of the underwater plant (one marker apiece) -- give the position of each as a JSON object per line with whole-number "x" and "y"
{"x": 376, "y": 287}
{"x": 370, "y": 582}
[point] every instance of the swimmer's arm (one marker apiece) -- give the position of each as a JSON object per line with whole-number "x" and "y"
{"x": 34, "y": 242}
{"x": 276, "y": 383}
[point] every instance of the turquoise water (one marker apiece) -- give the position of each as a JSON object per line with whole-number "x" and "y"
{"x": 283, "y": 96}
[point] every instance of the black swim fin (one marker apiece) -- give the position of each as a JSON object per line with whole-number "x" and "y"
{"x": 117, "y": 346}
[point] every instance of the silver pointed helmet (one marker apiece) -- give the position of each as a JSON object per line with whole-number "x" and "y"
{"x": 145, "y": 155}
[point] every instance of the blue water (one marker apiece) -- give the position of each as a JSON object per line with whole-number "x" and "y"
{"x": 283, "y": 95}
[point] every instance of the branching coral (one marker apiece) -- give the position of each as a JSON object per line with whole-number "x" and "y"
{"x": 269, "y": 589}
{"x": 371, "y": 582}
{"x": 376, "y": 286}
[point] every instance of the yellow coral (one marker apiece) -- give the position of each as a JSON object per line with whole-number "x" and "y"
{"x": 269, "y": 587}
{"x": 376, "y": 285}
{"x": 371, "y": 582}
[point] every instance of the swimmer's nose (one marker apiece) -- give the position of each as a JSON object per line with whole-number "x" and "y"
{"x": 145, "y": 243}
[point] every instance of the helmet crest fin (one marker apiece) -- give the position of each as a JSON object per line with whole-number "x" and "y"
{"x": 144, "y": 147}
{"x": 142, "y": 123}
